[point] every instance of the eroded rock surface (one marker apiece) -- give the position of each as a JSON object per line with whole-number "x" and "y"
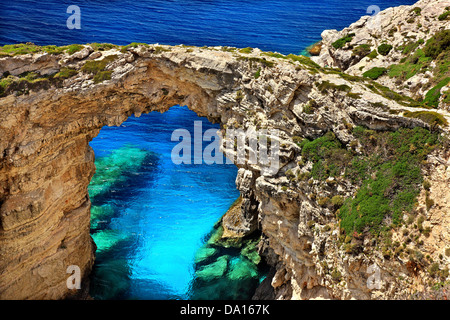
{"x": 394, "y": 40}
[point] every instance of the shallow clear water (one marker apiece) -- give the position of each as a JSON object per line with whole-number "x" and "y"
{"x": 151, "y": 216}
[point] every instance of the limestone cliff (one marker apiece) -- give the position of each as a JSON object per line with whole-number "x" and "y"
{"x": 397, "y": 47}
{"x": 54, "y": 102}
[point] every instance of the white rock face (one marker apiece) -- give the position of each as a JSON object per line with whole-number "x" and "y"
{"x": 398, "y": 27}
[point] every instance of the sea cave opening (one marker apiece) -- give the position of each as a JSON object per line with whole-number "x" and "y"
{"x": 156, "y": 223}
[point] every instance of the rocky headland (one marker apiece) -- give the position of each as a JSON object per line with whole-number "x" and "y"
{"x": 361, "y": 193}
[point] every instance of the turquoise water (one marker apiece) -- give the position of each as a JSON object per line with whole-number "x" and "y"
{"x": 150, "y": 216}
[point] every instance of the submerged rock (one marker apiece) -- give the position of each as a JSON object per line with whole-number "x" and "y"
{"x": 111, "y": 168}
{"x": 241, "y": 268}
{"x": 107, "y": 239}
{"x": 113, "y": 279}
{"x": 204, "y": 253}
{"x": 315, "y": 49}
{"x": 216, "y": 235}
{"x": 217, "y": 239}
{"x": 99, "y": 214}
{"x": 214, "y": 270}
{"x": 250, "y": 251}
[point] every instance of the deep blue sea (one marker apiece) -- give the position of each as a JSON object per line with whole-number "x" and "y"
{"x": 286, "y": 26}
{"x": 153, "y": 220}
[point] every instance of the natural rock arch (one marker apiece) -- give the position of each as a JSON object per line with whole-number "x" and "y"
{"x": 46, "y": 163}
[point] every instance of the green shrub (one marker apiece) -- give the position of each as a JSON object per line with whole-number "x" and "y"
{"x": 19, "y": 49}
{"x": 297, "y": 140}
{"x": 228, "y": 49}
{"x": 374, "y": 73}
{"x": 417, "y": 10}
{"x": 373, "y": 54}
{"x": 434, "y": 269}
{"x": 257, "y": 73}
{"x": 437, "y": 44}
{"x": 446, "y": 95}
{"x": 102, "y": 76}
{"x": 132, "y": 45}
{"x": 354, "y": 95}
{"x": 65, "y": 73}
{"x": 71, "y": 49}
{"x": 28, "y": 76}
{"x": 389, "y": 180}
{"x": 430, "y": 117}
{"x": 340, "y": 43}
{"x": 52, "y": 49}
{"x": 384, "y": 49}
{"x": 337, "y": 201}
{"x": 392, "y": 31}
{"x": 246, "y": 50}
{"x": 160, "y": 49}
{"x": 410, "y": 47}
{"x": 23, "y": 83}
{"x": 410, "y": 66}
{"x": 303, "y": 176}
{"x": 5, "y": 83}
{"x": 310, "y": 107}
{"x": 444, "y": 16}
{"x": 290, "y": 175}
{"x": 326, "y": 85}
{"x": 95, "y": 66}
{"x": 303, "y": 60}
{"x": 336, "y": 275}
{"x": 263, "y": 61}
{"x": 351, "y": 248}
{"x": 102, "y": 46}
{"x": 239, "y": 95}
{"x": 274, "y": 55}
{"x": 420, "y": 221}
{"x": 433, "y": 95}
{"x": 29, "y": 48}
{"x": 362, "y": 50}
{"x": 388, "y": 93}
{"x": 323, "y": 201}
{"x": 328, "y": 155}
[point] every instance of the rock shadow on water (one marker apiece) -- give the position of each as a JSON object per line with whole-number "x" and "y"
{"x": 111, "y": 270}
{"x": 115, "y": 180}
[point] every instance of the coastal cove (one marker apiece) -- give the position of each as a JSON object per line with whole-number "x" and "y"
{"x": 87, "y": 177}
{"x": 152, "y": 220}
